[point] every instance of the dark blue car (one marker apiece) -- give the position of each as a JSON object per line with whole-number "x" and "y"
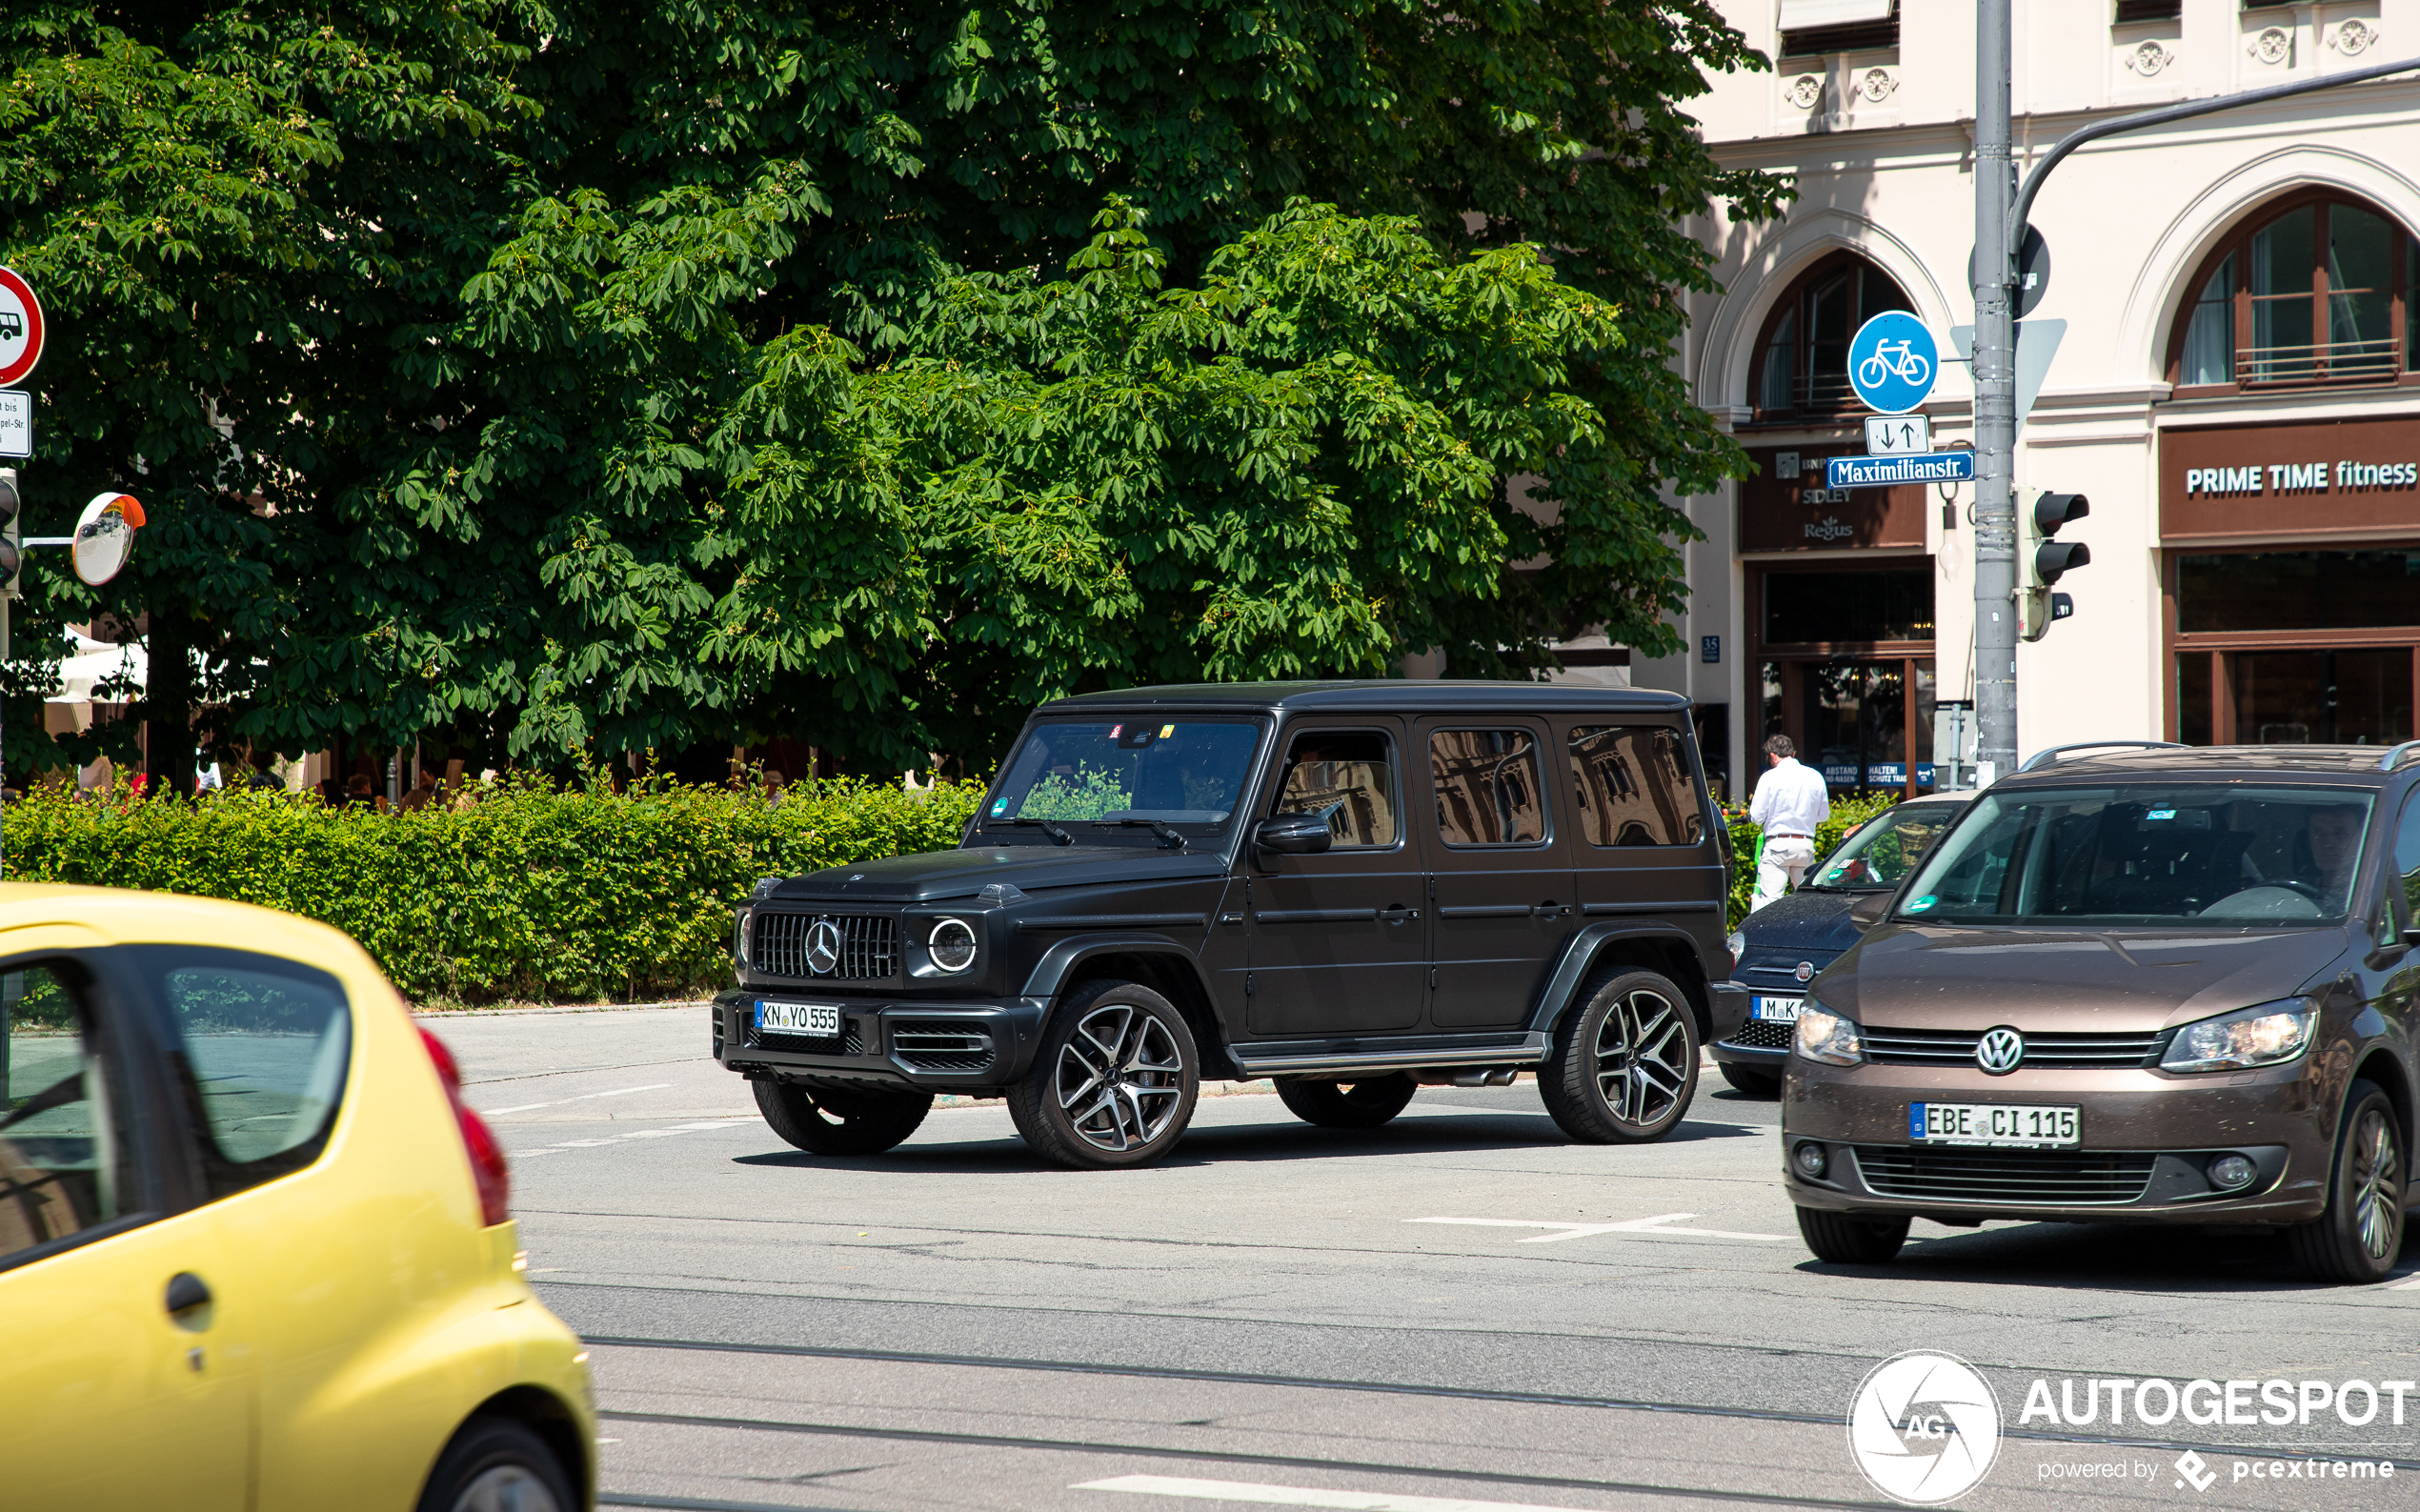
{"x": 1778, "y": 949}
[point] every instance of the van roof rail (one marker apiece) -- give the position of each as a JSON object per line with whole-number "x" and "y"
{"x": 2043, "y": 758}
{"x": 2394, "y": 757}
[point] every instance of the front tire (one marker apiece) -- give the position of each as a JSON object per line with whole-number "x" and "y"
{"x": 824, "y": 1122}
{"x": 494, "y": 1465}
{"x": 1848, "y": 1239}
{"x": 2357, "y": 1238}
{"x": 1749, "y": 1081}
{"x": 1364, "y": 1104}
{"x": 1114, "y": 1082}
{"x": 1626, "y": 1063}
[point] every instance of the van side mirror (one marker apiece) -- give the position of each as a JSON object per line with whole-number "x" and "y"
{"x": 1292, "y": 834}
{"x": 1868, "y": 910}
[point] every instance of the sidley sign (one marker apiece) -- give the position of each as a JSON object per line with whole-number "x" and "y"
{"x": 2302, "y": 481}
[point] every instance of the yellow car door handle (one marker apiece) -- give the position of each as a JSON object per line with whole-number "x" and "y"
{"x": 186, "y": 1291}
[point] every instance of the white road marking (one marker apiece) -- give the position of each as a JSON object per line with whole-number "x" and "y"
{"x": 497, "y": 1112}
{"x": 1661, "y": 1223}
{"x": 634, "y": 1134}
{"x": 2409, "y": 1283}
{"x": 1302, "y": 1496}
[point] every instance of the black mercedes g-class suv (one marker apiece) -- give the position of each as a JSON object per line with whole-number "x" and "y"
{"x": 1354, "y": 887}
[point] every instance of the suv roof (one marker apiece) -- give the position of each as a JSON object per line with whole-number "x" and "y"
{"x": 2353, "y": 765}
{"x": 1390, "y": 694}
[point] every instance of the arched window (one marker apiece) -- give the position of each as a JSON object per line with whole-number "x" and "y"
{"x": 1801, "y": 359}
{"x": 2314, "y": 289}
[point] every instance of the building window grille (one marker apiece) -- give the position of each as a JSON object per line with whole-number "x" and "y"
{"x": 2316, "y": 293}
{"x": 2129, "y": 11}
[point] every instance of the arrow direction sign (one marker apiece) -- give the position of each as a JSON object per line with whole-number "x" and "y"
{"x": 1897, "y": 435}
{"x": 1884, "y": 472}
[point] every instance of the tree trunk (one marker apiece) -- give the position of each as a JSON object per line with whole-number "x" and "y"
{"x": 169, "y": 752}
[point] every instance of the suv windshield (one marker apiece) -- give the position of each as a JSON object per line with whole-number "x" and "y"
{"x": 2207, "y": 854}
{"x": 1188, "y": 772}
{"x": 1877, "y": 857}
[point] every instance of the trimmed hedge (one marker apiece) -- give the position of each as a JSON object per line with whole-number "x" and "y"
{"x": 530, "y": 892}
{"x": 526, "y": 891}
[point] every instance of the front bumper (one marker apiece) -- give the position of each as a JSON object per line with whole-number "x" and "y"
{"x": 962, "y": 1046}
{"x": 1739, "y": 1041}
{"x": 2147, "y": 1140}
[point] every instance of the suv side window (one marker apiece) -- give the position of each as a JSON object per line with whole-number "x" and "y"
{"x": 1348, "y": 778}
{"x": 67, "y": 1161}
{"x": 1487, "y": 786}
{"x": 1634, "y": 787}
{"x": 264, "y": 1043}
{"x": 2407, "y": 856}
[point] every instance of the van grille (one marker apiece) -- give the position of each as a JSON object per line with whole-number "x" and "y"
{"x": 2045, "y": 1052}
{"x": 2027, "y": 1178}
{"x": 942, "y": 1044}
{"x": 869, "y": 945}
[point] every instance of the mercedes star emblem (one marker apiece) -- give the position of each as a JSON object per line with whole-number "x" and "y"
{"x": 2001, "y": 1052}
{"x": 823, "y": 947}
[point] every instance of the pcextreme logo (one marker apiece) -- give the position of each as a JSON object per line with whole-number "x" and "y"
{"x": 1923, "y": 1427}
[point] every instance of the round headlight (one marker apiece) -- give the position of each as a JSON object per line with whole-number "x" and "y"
{"x": 2230, "y": 1171}
{"x": 951, "y": 944}
{"x": 739, "y": 939}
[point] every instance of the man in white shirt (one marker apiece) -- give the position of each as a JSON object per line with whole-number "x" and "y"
{"x": 1791, "y": 801}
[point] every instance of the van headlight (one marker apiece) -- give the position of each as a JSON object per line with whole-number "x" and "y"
{"x": 951, "y": 944}
{"x": 2261, "y": 1035}
{"x": 1826, "y": 1036}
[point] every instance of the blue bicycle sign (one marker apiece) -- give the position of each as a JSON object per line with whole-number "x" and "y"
{"x": 1892, "y": 362}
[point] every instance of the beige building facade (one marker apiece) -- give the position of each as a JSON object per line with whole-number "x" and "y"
{"x": 2236, "y": 388}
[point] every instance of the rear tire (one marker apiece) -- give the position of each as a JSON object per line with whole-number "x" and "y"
{"x": 2356, "y": 1240}
{"x": 1750, "y": 1080}
{"x": 1850, "y": 1238}
{"x": 1625, "y": 1060}
{"x": 1113, "y": 1081}
{"x": 1364, "y": 1104}
{"x": 494, "y": 1465}
{"x": 824, "y": 1122}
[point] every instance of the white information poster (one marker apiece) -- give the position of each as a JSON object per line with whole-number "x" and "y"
{"x": 16, "y": 423}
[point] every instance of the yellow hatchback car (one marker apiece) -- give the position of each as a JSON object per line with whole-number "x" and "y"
{"x": 253, "y": 1249}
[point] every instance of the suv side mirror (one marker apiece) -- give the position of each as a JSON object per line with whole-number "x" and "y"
{"x": 1292, "y": 834}
{"x": 1868, "y": 911}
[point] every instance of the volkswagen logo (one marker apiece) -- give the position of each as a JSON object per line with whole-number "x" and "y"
{"x": 2001, "y": 1052}
{"x": 1806, "y": 971}
{"x": 823, "y": 948}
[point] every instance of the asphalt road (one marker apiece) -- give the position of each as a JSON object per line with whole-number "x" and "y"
{"x": 1462, "y": 1311}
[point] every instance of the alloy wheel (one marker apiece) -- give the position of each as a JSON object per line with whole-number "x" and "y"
{"x": 506, "y": 1488}
{"x": 2377, "y": 1183}
{"x": 1641, "y": 1057}
{"x": 1120, "y": 1078}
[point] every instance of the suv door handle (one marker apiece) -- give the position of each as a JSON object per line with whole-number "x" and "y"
{"x": 1399, "y": 916}
{"x": 186, "y": 1291}
{"x": 1549, "y": 910}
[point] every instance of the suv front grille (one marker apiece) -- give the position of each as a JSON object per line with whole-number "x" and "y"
{"x": 942, "y": 1044}
{"x": 2027, "y": 1178}
{"x": 1763, "y": 1034}
{"x": 2045, "y": 1052}
{"x": 869, "y": 945}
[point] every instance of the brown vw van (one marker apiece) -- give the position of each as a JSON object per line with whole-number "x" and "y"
{"x": 2152, "y": 984}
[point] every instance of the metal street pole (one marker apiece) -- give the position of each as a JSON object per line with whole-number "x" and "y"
{"x": 1995, "y": 380}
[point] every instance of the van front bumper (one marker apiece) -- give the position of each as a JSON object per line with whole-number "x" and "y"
{"x": 2146, "y": 1142}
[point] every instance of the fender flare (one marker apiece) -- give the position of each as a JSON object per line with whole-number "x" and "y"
{"x": 1580, "y": 957}
{"x": 1042, "y": 984}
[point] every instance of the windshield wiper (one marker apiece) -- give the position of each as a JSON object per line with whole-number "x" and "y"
{"x": 1168, "y": 837}
{"x": 1058, "y": 836}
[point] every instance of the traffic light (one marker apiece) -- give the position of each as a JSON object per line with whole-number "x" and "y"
{"x": 2040, "y": 514}
{"x": 11, "y": 555}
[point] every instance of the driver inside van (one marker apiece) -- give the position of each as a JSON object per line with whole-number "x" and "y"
{"x": 2333, "y": 836}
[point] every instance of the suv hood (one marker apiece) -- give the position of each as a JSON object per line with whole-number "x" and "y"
{"x": 938, "y": 875}
{"x": 2079, "y": 982}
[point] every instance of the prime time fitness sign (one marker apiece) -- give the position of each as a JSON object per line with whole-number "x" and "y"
{"x": 2300, "y": 482}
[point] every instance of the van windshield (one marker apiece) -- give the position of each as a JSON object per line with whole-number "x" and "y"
{"x": 1877, "y": 857}
{"x": 1188, "y": 775}
{"x": 2210, "y": 854}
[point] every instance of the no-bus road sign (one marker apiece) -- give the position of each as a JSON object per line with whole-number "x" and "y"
{"x": 20, "y": 328}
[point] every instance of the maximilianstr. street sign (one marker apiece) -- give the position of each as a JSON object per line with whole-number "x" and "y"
{"x": 1880, "y": 471}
